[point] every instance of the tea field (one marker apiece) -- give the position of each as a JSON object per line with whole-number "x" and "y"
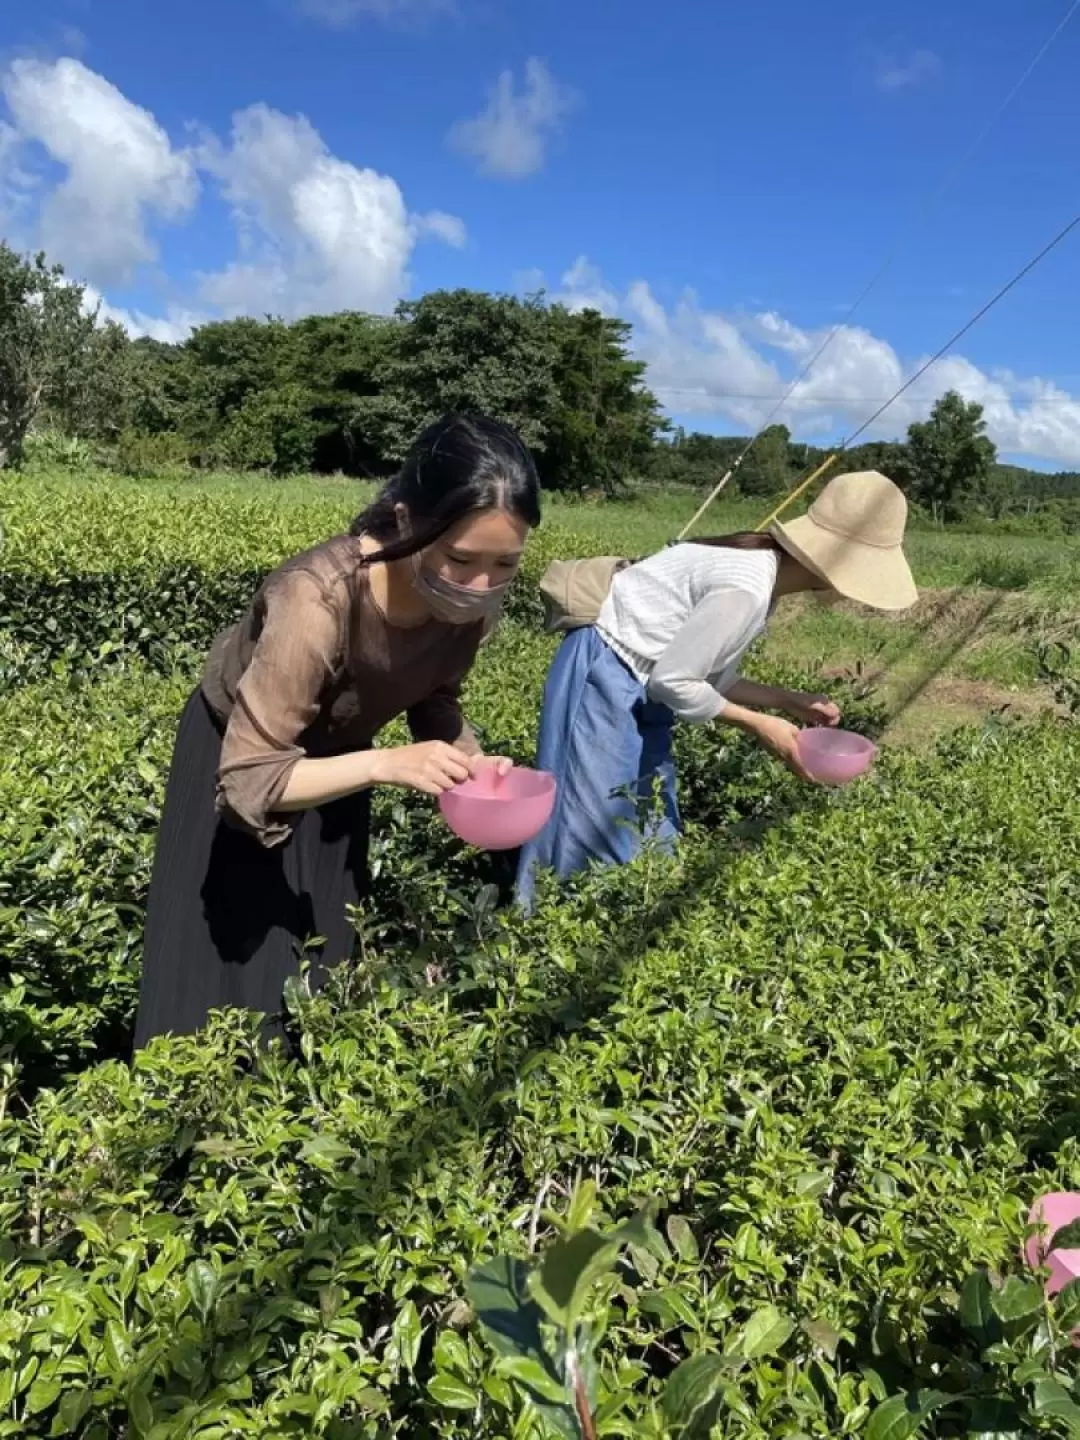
{"x": 833, "y": 1045}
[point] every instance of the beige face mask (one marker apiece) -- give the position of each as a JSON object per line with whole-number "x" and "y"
{"x": 457, "y": 604}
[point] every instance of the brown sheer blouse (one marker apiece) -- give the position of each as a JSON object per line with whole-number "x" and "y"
{"x": 314, "y": 668}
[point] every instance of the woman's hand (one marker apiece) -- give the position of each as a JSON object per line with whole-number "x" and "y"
{"x": 811, "y": 709}
{"x": 430, "y": 767}
{"x": 781, "y": 739}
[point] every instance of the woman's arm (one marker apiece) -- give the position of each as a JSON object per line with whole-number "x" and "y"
{"x": 780, "y": 737}
{"x": 798, "y": 704}
{"x": 431, "y": 767}
{"x": 264, "y": 773}
{"x": 757, "y": 697}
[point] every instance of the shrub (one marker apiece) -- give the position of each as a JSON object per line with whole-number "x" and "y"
{"x": 52, "y": 450}
{"x": 81, "y": 776}
{"x": 832, "y": 1041}
{"x": 843, "y": 1054}
{"x": 141, "y": 455}
{"x": 104, "y": 574}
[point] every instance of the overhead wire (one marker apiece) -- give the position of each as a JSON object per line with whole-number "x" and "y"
{"x": 969, "y": 324}
{"x": 947, "y": 180}
{"x": 820, "y": 400}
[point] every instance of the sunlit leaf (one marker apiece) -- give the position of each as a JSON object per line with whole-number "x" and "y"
{"x": 764, "y": 1333}
{"x": 901, "y": 1416}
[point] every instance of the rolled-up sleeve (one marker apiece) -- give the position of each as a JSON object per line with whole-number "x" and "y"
{"x": 296, "y": 658}
{"x": 709, "y": 643}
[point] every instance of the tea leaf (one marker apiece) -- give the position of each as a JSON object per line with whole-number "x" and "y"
{"x": 1052, "y": 1399}
{"x": 764, "y": 1333}
{"x": 452, "y": 1391}
{"x": 1017, "y": 1299}
{"x": 901, "y": 1416}
{"x": 692, "y": 1390}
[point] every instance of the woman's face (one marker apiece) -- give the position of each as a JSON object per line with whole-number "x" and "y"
{"x": 481, "y": 551}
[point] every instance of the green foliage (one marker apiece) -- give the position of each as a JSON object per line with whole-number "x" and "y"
{"x": 48, "y": 449}
{"x": 949, "y": 457}
{"x": 80, "y": 780}
{"x": 49, "y": 350}
{"x": 842, "y": 1102}
{"x": 1058, "y": 670}
{"x": 459, "y": 350}
{"x": 351, "y": 392}
{"x": 833, "y": 1040}
{"x": 948, "y": 472}
{"x": 98, "y": 576}
{"x": 768, "y": 470}
{"x": 138, "y": 454}
{"x": 347, "y": 393}
{"x": 601, "y": 434}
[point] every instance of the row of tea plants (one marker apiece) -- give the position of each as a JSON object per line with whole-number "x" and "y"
{"x": 739, "y": 1143}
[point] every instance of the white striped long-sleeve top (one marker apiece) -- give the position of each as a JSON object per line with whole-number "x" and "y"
{"x": 683, "y": 619}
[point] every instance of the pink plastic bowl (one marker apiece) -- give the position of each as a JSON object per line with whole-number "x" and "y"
{"x": 835, "y": 757}
{"x": 499, "y": 812}
{"x": 1051, "y": 1212}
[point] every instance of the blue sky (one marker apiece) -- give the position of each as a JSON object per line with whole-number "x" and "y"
{"x": 726, "y": 176}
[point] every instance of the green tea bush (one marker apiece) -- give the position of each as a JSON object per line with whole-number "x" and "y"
{"x": 81, "y": 777}
{"x": 842, "y": 1053}
{"x": 831, "y": 1042}
{"x": 82, "y": 773}
{"x": 104, "y": 573}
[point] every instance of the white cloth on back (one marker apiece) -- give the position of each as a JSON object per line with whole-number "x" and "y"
{"x": 683, "y": 619}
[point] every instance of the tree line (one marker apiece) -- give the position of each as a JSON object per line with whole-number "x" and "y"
{"x": 947, "y": 466}
{"x": 347, "y": 393}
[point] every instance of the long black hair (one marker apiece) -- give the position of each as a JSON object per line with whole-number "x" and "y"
{"x": 460, "y": 464}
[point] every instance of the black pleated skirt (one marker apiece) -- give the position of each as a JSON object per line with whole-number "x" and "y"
{"x": 227, "y": 919}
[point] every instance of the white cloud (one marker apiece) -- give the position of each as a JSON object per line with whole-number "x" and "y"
{"x": 176, "y": 325}
{"x": 918, "y": 68}
{"x": 528, "y": 281}
{"x": 583, "y": 288}
{"x": 509, "y": 138}
{"x": 316, "y": 232}
{"x": 121, "y": 171}
{"x": 344, "y": 12}
{"x": 450, "y": 229}
{"x": 734, "y": 368}
{"x": 16, "y": 182}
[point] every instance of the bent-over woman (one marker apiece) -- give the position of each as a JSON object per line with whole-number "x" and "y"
{"x": 667, "y": 646}
{"x": 263, "y": 839}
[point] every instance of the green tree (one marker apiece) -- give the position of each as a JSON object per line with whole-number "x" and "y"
{"x": 340, "y": 360}
{"x": 949, "y": 457}
{"x": 47, "y": 347}
{"x": 603, "y": 427}
{"x": 155, "y": 386}
{"x": 888, "y": 457}
{"x": 465, "y": 350}
{"x": 768, "y": 469}
{"x": 272, "y": 429}
{"x": 221, "y": 365}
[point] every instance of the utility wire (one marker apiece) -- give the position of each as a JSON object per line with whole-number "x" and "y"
{"x": 943, "y": 185}
{"x": 959, "y": 334}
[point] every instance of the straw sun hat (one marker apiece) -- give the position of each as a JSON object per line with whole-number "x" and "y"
{"x": 852, "y": 537}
